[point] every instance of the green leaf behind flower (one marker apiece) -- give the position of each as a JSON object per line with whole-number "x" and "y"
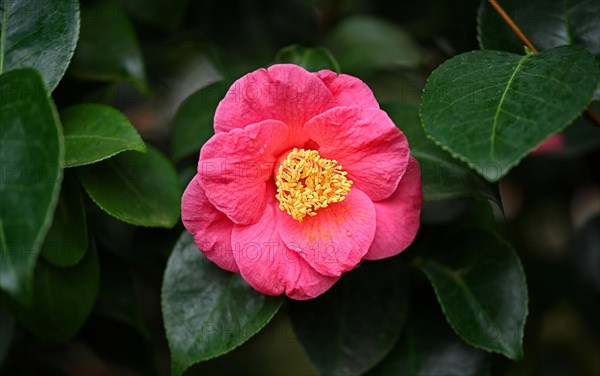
{"x": 208, "y": 311}
{"x": 352, "y": 327}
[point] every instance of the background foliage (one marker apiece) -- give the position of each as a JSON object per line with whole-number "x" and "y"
{"x": 105, "y": 104}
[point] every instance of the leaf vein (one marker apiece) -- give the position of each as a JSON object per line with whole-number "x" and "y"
{"x": 502, "y": 99}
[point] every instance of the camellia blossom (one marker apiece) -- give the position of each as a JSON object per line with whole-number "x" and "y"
{"x": 304, "y": 178}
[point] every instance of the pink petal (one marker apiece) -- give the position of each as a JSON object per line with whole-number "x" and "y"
{"x": 366, "y": 143}
{"x": 211, "y": 228}
{"x": 235, "y": 166}
{"x": 268, "y": 265}
{"x": 398, "y": 217}
{"x": 348, "y": 90}
{"x": 335, "y": 240}
{"x": 284, "y": 92}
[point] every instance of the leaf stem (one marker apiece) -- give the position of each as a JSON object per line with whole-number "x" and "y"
{"x": 509, "y": 21}
{"x": 593, "y": 116}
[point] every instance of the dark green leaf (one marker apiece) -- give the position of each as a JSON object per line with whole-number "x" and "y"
{"x": 480, "y": 284}
{"x": 32, "y": 154}
{"x": 490, "y": 108}
{"x": 108, "y": 48}
{"x": 67, "y": 239}
{"x": 443, "y": 176}
{"x": 352, "y": 327}
{"x": 548, "y": 24}
{"x": 62, "y": 299}
{"x": 138, "y": 188}
{"x": 208, "y": 311}
{"x": 7, "y": 328}
{"x": 428, "y": 347}
{"x": 363, "y": 44}
{"x": 38, "y": 34}
{"x": 193, "y": 124}
{"x": 311, "y": 59}
{"x": 94, "y": 132}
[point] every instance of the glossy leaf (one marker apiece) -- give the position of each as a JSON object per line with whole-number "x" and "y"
{"x": 138, "y": 188}
{"x": 547, "y": 24}
{"x": 108, "y": 48}
{"x": 311, "y": 59}
{"x": 480, "y": 284}
{"x": 363, "y": 44}
{"x": 208, "y": 311}
{"x": 491, "y": 108}
{"x": 32, "y": 156}
{"x": 62, "y": 299}
{"x": 193, "y": 124}
{"x": 67, "y": 239}
{"x": 40, "y": 35}
{"x": 443, "y": 176}
{"x": 352, "y": 327}
{"x": 428, "y": 347}
{"x": 94, "y": 132}
{"x": 7, "y": 328}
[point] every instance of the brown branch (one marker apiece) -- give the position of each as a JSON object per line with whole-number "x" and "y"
{"x": 591, "y": 115}
{"x": 509, "y": 21}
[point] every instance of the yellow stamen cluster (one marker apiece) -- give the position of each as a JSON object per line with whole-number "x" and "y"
{"x": 306, "y": 182}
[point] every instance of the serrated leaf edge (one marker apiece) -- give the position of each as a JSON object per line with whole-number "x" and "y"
{"x": 518, "y": 160}
{"x": 521, "y": 329}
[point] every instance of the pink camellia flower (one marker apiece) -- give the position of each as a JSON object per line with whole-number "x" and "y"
{"x": 304, "y": 178}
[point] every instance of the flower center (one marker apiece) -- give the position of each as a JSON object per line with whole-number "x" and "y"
{"x": 307, "y": 182}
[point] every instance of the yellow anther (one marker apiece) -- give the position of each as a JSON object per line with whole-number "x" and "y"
{"x": 307, "y": 182}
